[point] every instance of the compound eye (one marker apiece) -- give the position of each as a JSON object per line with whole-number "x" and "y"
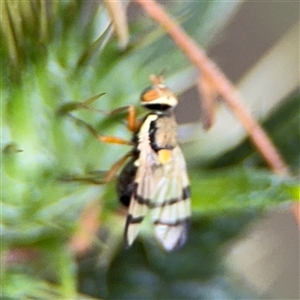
{"x": 150, "y": 94}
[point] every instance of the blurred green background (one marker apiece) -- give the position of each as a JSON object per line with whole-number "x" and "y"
{"x": 55, "y": 53}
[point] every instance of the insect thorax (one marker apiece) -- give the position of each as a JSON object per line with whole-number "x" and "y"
{"x": 161, "y": 130}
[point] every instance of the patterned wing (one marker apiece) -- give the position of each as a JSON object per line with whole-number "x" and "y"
{"x": 170, "y": 207}
{"x": 162, "y": 188}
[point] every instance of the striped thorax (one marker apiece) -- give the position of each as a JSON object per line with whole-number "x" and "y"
{"x": 155, "y": 180}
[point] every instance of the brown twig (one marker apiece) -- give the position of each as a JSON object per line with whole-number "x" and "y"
{"x": 222, "y": 85}
{"x": 208, "y": 99}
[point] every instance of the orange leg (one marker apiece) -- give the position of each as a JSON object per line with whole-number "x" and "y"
{"x": 113, "y": 140}
{"x": 132, "y": 122}
{"x": 132, "y": 125}
{"x": 101, "y": 138}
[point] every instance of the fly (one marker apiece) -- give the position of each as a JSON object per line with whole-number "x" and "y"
{"x": 155, "y": 179}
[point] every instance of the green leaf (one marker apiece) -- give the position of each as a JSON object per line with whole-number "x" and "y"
{"x": 238, "y": 189}
{"x": 18, "y": 285}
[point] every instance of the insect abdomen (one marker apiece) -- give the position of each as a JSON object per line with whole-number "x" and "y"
{"x": 125, "y": 184}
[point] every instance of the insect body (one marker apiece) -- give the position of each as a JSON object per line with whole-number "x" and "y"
{"x": 155, "y": 179}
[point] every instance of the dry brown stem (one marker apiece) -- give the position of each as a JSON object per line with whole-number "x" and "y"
{"x": 208, "y": 95}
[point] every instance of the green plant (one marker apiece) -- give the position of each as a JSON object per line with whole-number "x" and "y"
{"x": 60, "y": 52}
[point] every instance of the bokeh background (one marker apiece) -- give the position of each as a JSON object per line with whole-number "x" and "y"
{"x": 61, "y": 238}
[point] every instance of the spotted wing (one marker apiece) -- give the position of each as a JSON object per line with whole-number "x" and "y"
{"x": 162, "y": 188}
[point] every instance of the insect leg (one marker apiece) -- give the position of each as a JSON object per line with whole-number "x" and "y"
{"x": 115, "y": 167}
{"x": 132, "y": 123}
{"x": 113, "y": 140}
{"x": 101, "y": 138}
{"x": 106, "y": 177}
